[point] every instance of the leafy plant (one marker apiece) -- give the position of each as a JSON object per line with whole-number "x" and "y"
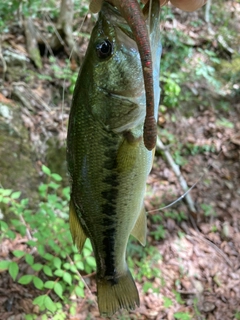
{"x": 171, "y": 89}
{"x": 7, "y": 12}
{"x": 178, "y": 297}
{"x": 64, "y": 73}
{"x": 50, "y": 254}
{"x": 145, "y": 266}
{"x": 225, "y": 123}
{"x": 167, "y": 302}
{"x": 208, "y": 210}
{"x": 178, "y": 216}
{"x": 159, "y": 233}
{"x": 178, "y": 158}
{"x": 193, "y": 149}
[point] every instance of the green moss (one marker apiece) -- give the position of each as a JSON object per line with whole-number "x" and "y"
{"x": 231, "y": 69}
{"x": 35, "y": 56}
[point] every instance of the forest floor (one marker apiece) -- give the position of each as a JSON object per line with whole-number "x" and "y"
{"x": 196, "y": 256}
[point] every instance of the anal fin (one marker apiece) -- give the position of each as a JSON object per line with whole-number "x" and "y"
{"x": 78, "y": 235}
{"x": 139, "y": 231}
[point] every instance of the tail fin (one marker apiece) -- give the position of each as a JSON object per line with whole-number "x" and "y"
{"x": 114, "y": 296}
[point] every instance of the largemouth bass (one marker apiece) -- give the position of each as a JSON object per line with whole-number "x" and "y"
{"x": 107, "y": 160}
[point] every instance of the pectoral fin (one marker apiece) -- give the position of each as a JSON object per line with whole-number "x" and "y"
{"x": 140, "y": 229}
{"x": 77, "y": 232}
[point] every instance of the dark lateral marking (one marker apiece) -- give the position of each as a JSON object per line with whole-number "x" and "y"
{"x": 108, "y": 243}
{"x": 109, "y": 209}
{"x": 111, "y": 180}
{"x": 109, "y": 164}
{"x": 108, "y": 222}
{"x": 110, "y": 195}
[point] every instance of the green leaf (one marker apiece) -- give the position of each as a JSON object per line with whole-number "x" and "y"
{"x": 31, "y": 243}
{"x": 38, "y": 283}
{"x": 66, "y": 266}
{"x": 4, "y": 265}
{"x": 86, "y": 252}
{"x": 79, "y": 292}
{"x": 15, "y": 195}
{"x": 182, "y": 316}
{"x": 88, "y": 245}
{"x": 13, "y": 270}
{"x": 25, "y": 279}
{"x": 11, "y": 234}
{"x": 49, "y": 284}
{"x": 58, "y": 289}
{"x": 54, "y": 185}
{"x": 42, "y": 188}
{"x": 147, "y": 285}
{"x": 91, "y": 261}
{"x": 77, "y": 257}
{"x": 73, "y": 268}
{"x": 47, "y": 270}
{"x": 67, "y": 278}
{"x": 37, "y": 266}
{"x": 30, "y": 317}
{"x": 56, "y": 177}
{"x": 73, "y": 308}
{"x": 6, "y": 192}
{"x": 46, "y": 170}
{"x": 3, "y": 226}
{"x": 167, "y": 302}
{"x": 29, "y": 259}
{"x": 66, "y": 192}
{"x": 178, "y": 297}
{"x": 48, "y": 256}
{"x": 59, "y": 273}
{"x": 15, "y": 223}
{"x": 41, "y": 249}
{"x": 49, "y": 304}
{"x": 24, "y": 202}
{"x": 39, "y": 300}
{"x": 57, "y": 263}
{"x": 6, "y": 200}
{"x": 225, "y": 123}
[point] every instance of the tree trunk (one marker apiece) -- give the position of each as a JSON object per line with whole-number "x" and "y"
{"x": 64, "y": 33}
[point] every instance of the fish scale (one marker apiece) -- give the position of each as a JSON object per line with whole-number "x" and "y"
{"x": 107, "y": 160}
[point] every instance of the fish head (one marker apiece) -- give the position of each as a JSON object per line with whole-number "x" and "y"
{"x": 117, "y": 64}
{"x": 114, "y": 74}
{"x": 113, "y": 71}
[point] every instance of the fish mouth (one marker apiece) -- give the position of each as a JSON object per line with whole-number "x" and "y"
{"x": 115, "y": 18}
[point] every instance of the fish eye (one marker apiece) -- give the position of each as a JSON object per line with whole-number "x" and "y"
{"x": 104, "y": 49}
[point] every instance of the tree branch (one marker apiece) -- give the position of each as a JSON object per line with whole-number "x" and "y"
{"x": 178, "y": 174}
